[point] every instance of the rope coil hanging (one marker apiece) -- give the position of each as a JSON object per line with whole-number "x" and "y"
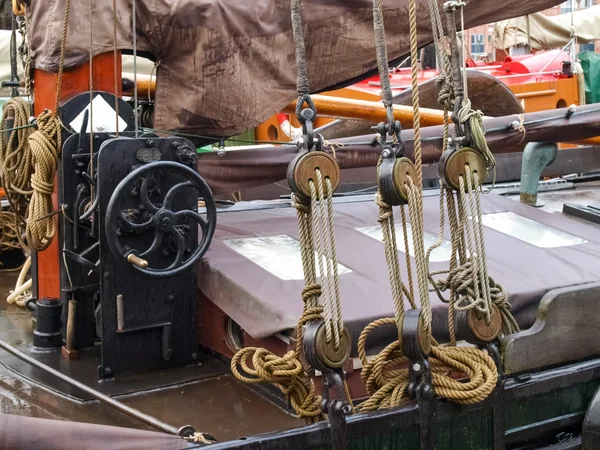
{"x": 34, "y": 159}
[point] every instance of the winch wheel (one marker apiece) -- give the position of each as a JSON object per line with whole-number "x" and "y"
{"x": 160, "y": 218}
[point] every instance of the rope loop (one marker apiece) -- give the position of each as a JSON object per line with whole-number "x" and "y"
{"x": 305, "y": 102}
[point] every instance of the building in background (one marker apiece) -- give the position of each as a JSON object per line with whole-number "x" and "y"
{"x": 478, "y": 39}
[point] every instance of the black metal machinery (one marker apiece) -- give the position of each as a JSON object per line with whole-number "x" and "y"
{"x": 130, "y": 236}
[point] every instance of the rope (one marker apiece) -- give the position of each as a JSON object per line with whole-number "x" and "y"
{"x": 317, "y": 238}
{"x": 22, "y": 291}
{"x": 386, "y": 376}
{"x": 44, "y": 144}
{"x": 287, "y": 372}
{"x": 16, "y": 163}
{"x": 29, "y": 167}
{"x": 382, "y": 61}
{"x": 300, "y": 48}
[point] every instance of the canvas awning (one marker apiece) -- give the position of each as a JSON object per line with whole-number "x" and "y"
{"x": 546, "y": 32}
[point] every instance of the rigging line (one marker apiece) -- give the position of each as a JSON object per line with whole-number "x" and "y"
{"x": 464, "y": 47}
{"x": 135, "y": 91}
{"x": 116, "y": 64}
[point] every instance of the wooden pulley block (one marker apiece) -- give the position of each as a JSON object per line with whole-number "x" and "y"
{"x": 452, "y": 166}
{"x": 416, "y": 344}
{"x": 328, "y": 355}
{"x": 303, "y": 169}
{"x": 481, "y": 330}
{"x": 404, "y": 169}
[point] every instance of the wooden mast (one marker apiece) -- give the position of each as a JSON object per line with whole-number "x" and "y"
{"x": 75, "y": 81}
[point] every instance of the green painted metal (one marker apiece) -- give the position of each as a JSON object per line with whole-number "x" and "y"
{"x": 473, "y": 430}
{"x": 590, "y": 62}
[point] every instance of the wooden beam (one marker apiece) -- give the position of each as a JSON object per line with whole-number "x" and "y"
{"x": 345, "y": 108}
{"x": 74, "y": 82}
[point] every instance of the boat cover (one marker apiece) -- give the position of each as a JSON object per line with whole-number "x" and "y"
{"x": 228, "y": 65}
{"x": 253, "y": 270}
{"x": 540, "y": 31}
{"x": 25, "y": 433}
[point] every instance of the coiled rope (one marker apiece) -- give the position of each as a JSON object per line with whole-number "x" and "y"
{"x": 29, "y": 168}
{"x": 16, "y": 160}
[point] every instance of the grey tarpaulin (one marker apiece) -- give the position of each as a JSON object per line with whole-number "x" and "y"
{"x": 264, "y": 304}
{"x": 228, "y": 65}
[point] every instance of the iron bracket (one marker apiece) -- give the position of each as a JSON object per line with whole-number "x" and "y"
{"x": 420, "y": 383}
{"x": 337, "y": 408}
{"x": 497, "y": 399}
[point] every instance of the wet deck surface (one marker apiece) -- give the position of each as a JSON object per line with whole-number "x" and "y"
{"x": 216, "y": 404}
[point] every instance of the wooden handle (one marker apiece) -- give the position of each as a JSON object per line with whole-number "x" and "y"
{"x": 137, "y": 261}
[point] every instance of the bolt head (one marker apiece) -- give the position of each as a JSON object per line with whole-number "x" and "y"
{"x": 417, "y": 367}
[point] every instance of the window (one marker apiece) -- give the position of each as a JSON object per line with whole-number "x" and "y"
{"x": 477, "y": 45}
{"x": 585, "y": 3}
{"x": 587, "y": 47}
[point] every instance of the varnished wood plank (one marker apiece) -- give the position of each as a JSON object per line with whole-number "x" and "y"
{"x": 566, "y": 330}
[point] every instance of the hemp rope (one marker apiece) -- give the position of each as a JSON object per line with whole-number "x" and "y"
{"x": 287, "y": 372}
{"x": 467, "y": 280}
{"x": 16, "y": 161}
{"x": 28, "y": 170}
{"x": 317, "y": 236}
{"x": 385, "y": 378}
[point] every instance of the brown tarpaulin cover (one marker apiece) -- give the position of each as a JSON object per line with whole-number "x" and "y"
{"x": 264, "y": 304}
{"x": 228, "y": 65}
{"x": 28, "y": 433}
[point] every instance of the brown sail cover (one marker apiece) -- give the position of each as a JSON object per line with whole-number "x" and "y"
{"x": 228, "y": 65}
